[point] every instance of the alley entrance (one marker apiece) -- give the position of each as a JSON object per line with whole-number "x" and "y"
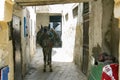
{"x": 63, "y": 68}
{"x": 63, "y": 57}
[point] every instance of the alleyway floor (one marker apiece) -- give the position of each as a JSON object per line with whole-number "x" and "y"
{"x": 62, "y": 69}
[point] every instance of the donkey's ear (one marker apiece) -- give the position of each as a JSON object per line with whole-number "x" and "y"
{"x": 41, "y": 26}
{"x": 49, "y": 26}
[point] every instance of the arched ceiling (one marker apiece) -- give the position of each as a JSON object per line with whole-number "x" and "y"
{"x": 46, "y": 2}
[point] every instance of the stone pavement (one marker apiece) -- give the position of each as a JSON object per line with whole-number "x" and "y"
{"x": 62, "y": 70}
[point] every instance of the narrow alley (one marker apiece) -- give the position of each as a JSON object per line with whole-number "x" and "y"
{"x": 84, "y": 36}
{"x": 62, "y": 70}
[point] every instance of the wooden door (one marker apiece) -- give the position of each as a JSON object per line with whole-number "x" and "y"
{"x": 85, "y": 38}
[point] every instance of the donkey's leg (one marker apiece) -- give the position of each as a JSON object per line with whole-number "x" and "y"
{"x": 44, "y": 55}
{"x": 50, "y": 59}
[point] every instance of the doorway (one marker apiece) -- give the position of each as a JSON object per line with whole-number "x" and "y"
{"x": 17, "y": 53}
{"x": 56, "y": 24}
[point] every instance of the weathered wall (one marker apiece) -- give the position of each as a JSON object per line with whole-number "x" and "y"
{"x": 101, "y": 24}
{"x": 28, "y": 43}
{"x": 6, "y": 53}
{"x": 107, "y": 25}
{"x": 95, "y": 34}
{"x": 42, "y": 19}
{"x": 6, "y": 7}
{"x": 69, "y": 32}
{"x": 49, "y": 8}
{"x": 115, "y": 39}
{"x": 100, "y": 28}
{"x": 116, "y": 26}
{"x": 32, "y": 30}
{"x": 78, "y": 49}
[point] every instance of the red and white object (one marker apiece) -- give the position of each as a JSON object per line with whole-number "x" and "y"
{"x": 110, "y": 72}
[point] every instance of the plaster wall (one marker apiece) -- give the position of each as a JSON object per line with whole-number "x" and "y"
{"x": 95, "y": 33}
{"x": 100, "y": 26}
{"x": 42, "y": 19}
{"x": 107, "y": 25}
{"x": 71, "y": 31}
{"x": 6, "y": 7}
{"x": 95, "y": 30}
{"x": 31, "y": 33}
{"x": 28, "y": 42}
{"x": 116, "y": 25}
{"x": 56, "y": 8}
{"x": 6, "y": 53}
{"x": 23, "y": 42}
{"x": 78, "y": 48}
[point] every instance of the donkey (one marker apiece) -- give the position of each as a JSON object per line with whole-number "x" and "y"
{"x": 46, "y": 38}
